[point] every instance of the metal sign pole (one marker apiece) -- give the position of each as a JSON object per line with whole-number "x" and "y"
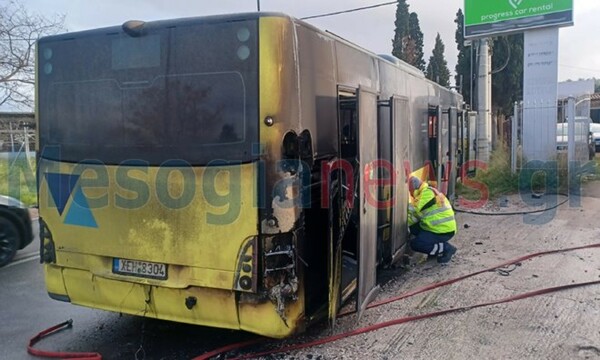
{"x": 514, "y": 141}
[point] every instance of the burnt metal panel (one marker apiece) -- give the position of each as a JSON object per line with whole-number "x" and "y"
{"x": 318, "y": 89}
{"x": 367, "y": 124}
{"x": 356, "y": 68}
{"x": 401, "y": 140}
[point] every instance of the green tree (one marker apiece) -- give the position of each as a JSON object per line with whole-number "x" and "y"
{"x": 437, "y": 70}
{"x": 401, "y": 34}
{"x": 507, "y": 73}
{"x": 597, "y": 87}
{"x": 415, "y": 50}
{"x": 465, "y": 60}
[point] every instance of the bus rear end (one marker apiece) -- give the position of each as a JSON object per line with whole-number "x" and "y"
{"x": 149, "y": 168}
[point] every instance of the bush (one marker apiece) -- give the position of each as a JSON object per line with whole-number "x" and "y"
{"x": 498, "y": 178}
{"x": 17, "y": 179}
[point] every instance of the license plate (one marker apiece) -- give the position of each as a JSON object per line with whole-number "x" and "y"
{"x": 137, "y": 268}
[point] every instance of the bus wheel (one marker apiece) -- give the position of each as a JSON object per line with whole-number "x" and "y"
{"x": 9, "y": 240}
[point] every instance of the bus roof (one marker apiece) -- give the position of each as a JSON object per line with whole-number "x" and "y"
{"x": 232, "y": 18}
{"x": 168, "y": 23}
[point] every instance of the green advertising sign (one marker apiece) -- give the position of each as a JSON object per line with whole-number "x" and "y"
{"x": 489, "y": 17}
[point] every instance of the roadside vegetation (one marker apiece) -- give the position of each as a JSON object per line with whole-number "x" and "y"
{"x": 17, "y": 179}
{"x": 499, "y": 179}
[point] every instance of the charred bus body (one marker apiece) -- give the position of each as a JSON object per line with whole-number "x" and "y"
{"x": 243, "y": 171}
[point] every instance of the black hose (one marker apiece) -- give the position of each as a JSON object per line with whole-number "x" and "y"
{"x": 512, "y": 212}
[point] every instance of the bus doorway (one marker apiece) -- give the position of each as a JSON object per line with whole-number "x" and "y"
{"x": 353, "y": 219}
{"x": 434, "y": 144}
{"x": 344, "y": 179}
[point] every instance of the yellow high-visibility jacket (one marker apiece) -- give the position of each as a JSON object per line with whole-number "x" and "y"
{"x": 432, "y": 210}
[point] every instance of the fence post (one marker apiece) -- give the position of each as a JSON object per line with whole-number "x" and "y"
{"x": 12, "y": 137}
{"x": 514, "y": 141}
{"x": 571, "y": 130}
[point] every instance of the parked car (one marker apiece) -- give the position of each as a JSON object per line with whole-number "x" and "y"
{"x": 595, "y": 130}
{"x": 562, "y": 139}
{"x": 15, "y": 228}
{"x": 583, "y": 133}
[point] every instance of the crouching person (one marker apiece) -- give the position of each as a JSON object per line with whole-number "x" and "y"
{"x": 431, "y": 221}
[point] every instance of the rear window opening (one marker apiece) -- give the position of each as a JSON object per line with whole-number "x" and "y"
{"x": 188, "y": 93}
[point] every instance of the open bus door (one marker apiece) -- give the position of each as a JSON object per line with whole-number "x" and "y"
{"x": 401, "y": 146}
{"x": 463, "y": 145}
{"x": 358, "y": 120}
{"x": 394, "y": 143}
{"x": 472, "y": 137}
{"x": 434, "y": 128}
{"x": 445, "y": 140}
{"x": 452, "y": 152}
{"x": 368, "y": 212}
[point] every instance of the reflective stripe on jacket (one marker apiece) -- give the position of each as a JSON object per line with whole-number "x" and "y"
{"x": 432, "y": 210}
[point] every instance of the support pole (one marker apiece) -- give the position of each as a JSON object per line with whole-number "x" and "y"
{"x": 26, "y": 137}
{"x": 571, "y": 130}
{"x": 12, "y": 137}
{"x": 514, "y": 141}
{"x": 484, "y": 121}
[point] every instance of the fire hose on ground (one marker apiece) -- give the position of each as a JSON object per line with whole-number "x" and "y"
{"x": 402, "y": 320}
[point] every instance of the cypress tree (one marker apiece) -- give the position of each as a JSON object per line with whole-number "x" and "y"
{"x": 463, "y": 65}
{"x": 401, "y": 34}
{"x": 437, "y": 70}
{"x": 416, "y": 39}
{"x": 507, "y": 76}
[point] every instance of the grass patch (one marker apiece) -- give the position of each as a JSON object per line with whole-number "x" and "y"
{"x": 497, "y": 178}
{"x": 17, "y": 179}
{"x": 543, "y": 177}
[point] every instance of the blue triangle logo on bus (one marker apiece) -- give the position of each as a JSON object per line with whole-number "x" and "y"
{"x": 79, "y": 213}
{"x": 61, "y": 187}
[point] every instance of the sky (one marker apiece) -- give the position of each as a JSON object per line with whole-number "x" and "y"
{"x": 373, "y": 29}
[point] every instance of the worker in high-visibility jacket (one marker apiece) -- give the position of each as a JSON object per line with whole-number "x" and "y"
{"x": 431, "y": 221}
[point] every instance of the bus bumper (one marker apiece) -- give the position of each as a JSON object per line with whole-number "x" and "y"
{"x": 211, "y": 307}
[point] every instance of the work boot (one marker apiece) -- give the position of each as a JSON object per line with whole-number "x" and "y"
{"x": 449, "y": 250}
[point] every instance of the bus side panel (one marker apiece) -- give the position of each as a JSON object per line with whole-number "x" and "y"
{"x": 318, "y": 90}
{"x": 279, "y": 217}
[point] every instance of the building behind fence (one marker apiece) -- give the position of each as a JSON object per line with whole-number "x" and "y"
{"x": 17, "y": 131}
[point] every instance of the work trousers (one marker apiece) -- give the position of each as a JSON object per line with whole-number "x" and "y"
{"x": 427, "y": 242}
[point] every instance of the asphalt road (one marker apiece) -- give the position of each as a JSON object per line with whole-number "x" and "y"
{"x": 26, "y": 309}
{"x": 557, "y": 326}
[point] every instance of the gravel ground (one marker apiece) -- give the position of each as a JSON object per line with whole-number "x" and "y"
{"x": 562, "y": 325}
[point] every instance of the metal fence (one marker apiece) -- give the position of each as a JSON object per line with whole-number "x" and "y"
{"x": 516, "y": 138}
{"x": 15, "y": 138}
{"x": 572, "y": 132}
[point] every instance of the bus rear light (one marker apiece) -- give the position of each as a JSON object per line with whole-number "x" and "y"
{"x": 245, "y": 278}
{"x": 48, "y": 68}
{"x": 48, "y": 53}
{"x": 243, "y": 52}
{"x": 243, "y": 34}
{"x": 47, "y": 248}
